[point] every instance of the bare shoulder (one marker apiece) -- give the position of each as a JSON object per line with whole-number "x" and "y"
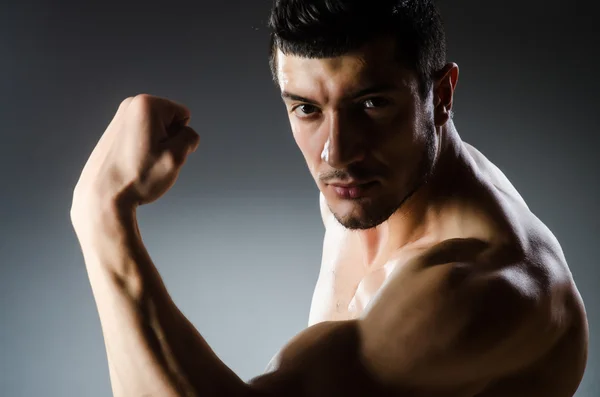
{"x": 464, "y": 317}
{"x": 480, "y": 304}
{"x": 542, "y": 258}
{"x": 548, "y": 267}
{"x": 460, "y": 317}
{"x": 492, "y": 173}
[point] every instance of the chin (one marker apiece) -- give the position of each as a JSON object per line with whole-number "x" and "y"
{"x": 362, "y": 214}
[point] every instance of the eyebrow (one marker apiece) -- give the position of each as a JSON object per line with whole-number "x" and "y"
{"x": 378, "y": 88}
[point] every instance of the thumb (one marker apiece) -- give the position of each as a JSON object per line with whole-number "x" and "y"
{"x": 181, "y": 143}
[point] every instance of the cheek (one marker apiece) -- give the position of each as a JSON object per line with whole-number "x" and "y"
{"x": 401, "y": 142}
{"x": 397, "y": 139}
{"x": 309, "y": 143}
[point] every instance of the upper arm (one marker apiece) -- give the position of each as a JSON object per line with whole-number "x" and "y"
{"x": 435, "y": 326}
{"x": 323, "y": 360}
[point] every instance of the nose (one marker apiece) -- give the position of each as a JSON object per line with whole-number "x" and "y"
{"x": 345, "y": 142}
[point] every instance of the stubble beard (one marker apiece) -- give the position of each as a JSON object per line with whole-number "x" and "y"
{"x": 375, "y": 213}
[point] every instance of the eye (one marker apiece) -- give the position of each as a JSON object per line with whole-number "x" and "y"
{"x": 375, "y": 103}
{"x": 305, "y": 110}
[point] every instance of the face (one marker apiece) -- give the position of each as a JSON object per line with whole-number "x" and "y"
{"x": 367, "y": 136}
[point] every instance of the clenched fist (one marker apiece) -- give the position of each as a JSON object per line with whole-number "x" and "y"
{"x": 139, "y": 156}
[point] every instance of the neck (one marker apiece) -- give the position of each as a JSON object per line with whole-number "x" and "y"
{"x": 419, "y": 213}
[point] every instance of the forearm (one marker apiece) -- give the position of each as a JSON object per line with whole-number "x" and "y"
{"x": 152, "y": 348}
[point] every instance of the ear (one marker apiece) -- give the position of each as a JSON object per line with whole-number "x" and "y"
{"x": 443, "y": 93}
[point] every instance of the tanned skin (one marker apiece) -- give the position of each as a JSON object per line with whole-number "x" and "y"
{"x": 436, "y": 278}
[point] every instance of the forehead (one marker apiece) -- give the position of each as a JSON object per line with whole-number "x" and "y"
{"x": 374, "y": 63}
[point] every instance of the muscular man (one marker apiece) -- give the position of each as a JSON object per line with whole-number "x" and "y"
{"x": 436, "y": 279}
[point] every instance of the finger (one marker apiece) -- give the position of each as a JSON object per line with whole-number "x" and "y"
{"x": 182, "y": 143}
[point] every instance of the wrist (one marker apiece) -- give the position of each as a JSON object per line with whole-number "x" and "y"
{"x": 111, "y": 245}
{"x": 91, "y": 216}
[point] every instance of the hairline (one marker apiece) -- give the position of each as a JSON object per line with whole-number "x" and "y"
{"x": 424, "y": 82}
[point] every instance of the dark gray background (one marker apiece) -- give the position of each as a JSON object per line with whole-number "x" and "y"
{"x": 238, "y": 239}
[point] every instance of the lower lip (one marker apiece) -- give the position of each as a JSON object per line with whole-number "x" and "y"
{"x": 353, "y": 192}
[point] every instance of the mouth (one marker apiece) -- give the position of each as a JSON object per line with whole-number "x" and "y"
{"x": 352, "y": 190}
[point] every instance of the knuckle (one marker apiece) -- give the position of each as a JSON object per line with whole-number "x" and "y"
{"x": 141, "y": 104}
{"x": 125, "y": 102}
{"x": 142, "y": 99}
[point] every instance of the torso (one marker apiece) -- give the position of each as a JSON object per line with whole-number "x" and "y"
{"x": 346, "y": 286}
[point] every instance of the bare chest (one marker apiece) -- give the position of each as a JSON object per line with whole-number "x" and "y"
{"x": 346, "y": 286}
{"x": 344, "y": 292}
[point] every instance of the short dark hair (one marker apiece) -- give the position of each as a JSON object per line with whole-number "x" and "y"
{"x": 329, "y": 28}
